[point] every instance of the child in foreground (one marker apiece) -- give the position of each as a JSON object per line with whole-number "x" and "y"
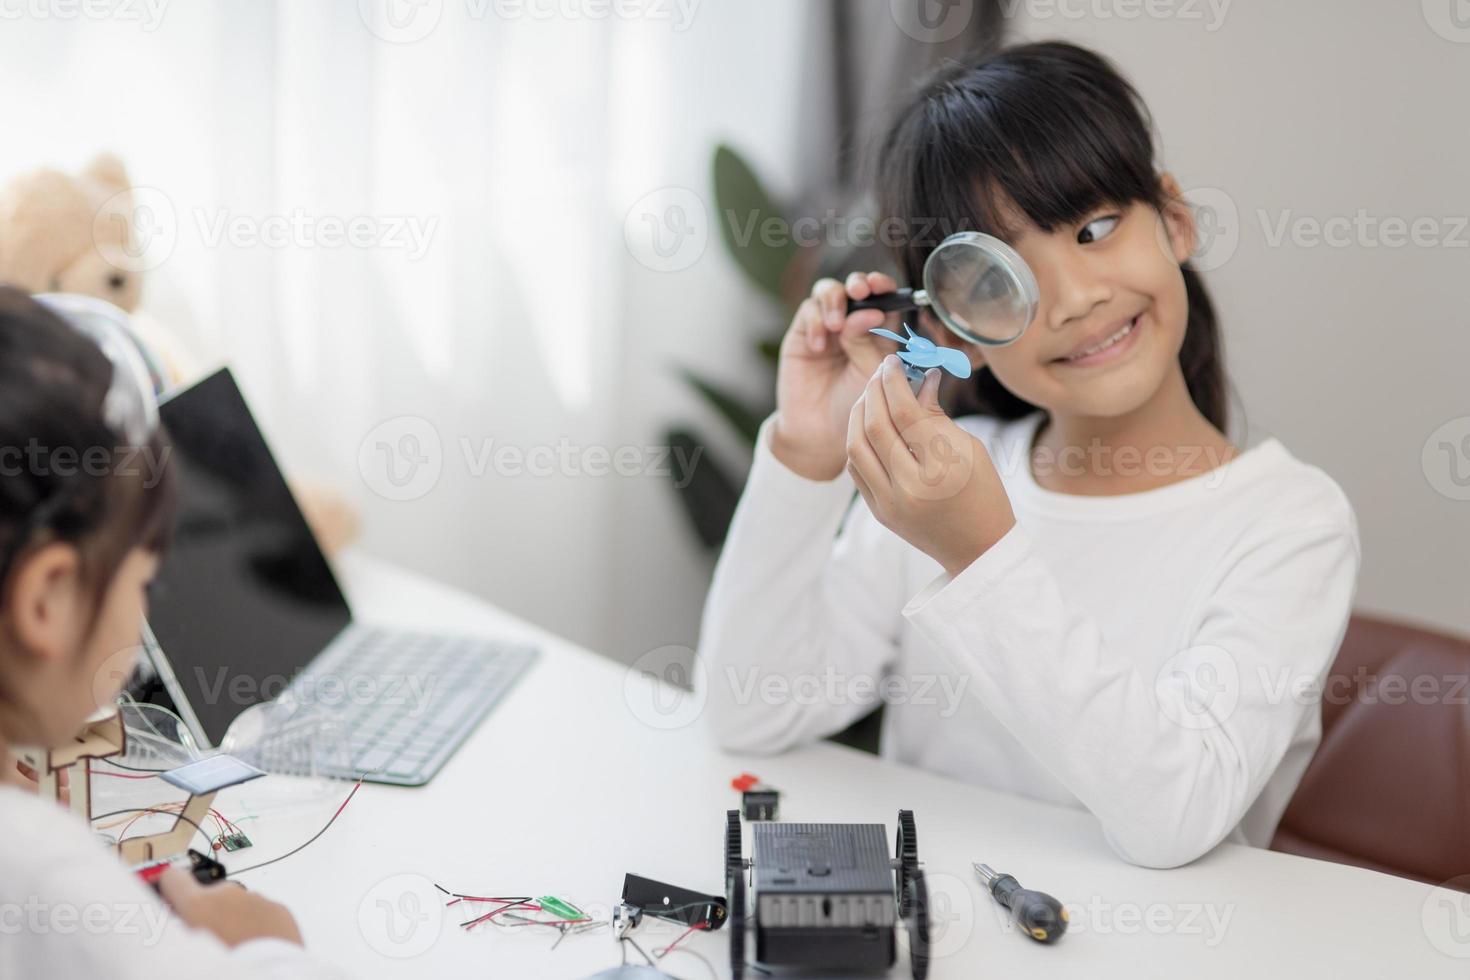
{"x": 78, "y": 546}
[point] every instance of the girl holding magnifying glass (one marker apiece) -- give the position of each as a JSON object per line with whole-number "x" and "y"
{"x": 1083, "y": 592}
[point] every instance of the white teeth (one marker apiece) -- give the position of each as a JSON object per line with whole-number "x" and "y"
{"x": 1122, "y": 332}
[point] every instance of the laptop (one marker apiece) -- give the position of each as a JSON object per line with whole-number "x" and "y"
{"x": 246, "y": 610}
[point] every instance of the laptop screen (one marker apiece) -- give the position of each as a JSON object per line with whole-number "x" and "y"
{"x": 245, "y": 598}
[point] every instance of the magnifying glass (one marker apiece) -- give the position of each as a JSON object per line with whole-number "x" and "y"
{"x": 976, "y": 284}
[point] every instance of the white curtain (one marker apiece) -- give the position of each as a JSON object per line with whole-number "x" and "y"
{"x": 485, "y": 156}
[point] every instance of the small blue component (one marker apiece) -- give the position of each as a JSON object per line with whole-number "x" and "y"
{"x": 922, "y": 353}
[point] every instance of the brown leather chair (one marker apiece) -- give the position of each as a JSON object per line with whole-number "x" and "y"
{"x": 1389, "y": 787}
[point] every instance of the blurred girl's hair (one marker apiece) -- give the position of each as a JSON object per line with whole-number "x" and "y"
{"x": 67, "y": 476}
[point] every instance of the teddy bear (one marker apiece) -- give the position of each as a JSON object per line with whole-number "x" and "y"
{"x": 65, "y": 234}
{"x": 61, "y": 233}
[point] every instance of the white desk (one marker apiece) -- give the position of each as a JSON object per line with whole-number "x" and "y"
{"x": 563, "y": 789}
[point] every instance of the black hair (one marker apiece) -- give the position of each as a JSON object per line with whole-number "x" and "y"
{"x": 1055, "y": 131}
{"x": 67, "y": 476}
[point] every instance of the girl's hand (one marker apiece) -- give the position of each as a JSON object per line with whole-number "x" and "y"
{"x": 923, "y": 477}
{"x": 827, "y": 356}
{"x": 226, "y": 909}
{"x": 31, "y": 781}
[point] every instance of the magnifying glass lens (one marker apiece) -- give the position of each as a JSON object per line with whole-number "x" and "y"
{"x": 980, "y": 288}
{"x": 977, "y": 285}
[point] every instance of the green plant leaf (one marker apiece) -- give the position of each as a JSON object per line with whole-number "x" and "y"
{"x": 709, "y": 493}
{"x": 745, "y": 419}
{"x": 743, "y": 207}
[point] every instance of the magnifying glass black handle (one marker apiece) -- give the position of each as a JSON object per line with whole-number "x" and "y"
{"x": 894, "y": 302}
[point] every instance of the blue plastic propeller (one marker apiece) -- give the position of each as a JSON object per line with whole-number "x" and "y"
{"x": 922, "y": 353}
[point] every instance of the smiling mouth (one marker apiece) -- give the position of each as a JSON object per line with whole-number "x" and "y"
{"x": 1122, "y": 334}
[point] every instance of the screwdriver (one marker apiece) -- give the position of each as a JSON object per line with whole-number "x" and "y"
{"x": 1038, "y": 914}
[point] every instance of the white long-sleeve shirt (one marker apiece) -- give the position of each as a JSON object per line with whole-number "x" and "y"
{"x": 1154, "y": 657}
{"x": 69, "y": 910}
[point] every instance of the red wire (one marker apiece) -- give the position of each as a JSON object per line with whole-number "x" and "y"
{"x": 490, "y": 915}
{"x": 212, "y": 812}
{"x": 670, "y": 947}
{"x": 506, "y": 903}
{"x": 504, "y": 908}
{"x": 229, "y": 824}
{"x": 345, "y": 802}
{"x": 122, "y": 835}
{"x": 492, "y": 898}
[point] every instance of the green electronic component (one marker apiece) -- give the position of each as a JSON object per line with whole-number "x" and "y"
{"x": 235, "y": 842}
{"x": 558, "y": 908}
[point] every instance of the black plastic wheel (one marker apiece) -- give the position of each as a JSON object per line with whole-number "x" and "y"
{"x": 906, "y": 854}
{"x": 735, "y": 891}
{"x": 917, "y": 920}
{"x": 732, "y": 839}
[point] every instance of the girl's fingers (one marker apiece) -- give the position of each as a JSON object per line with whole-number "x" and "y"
{"x": 859, "y": 286}
{"x": 862, "y": 348}
{"x": 809, "y": 325}
{"x": 862, "y": 486}
{"x": 881, "y": 282}
{"x": 928, "y": 396}
{"x": 879, "y": 424}
{"x": 178, "y": 887}
{"x": 903, "y": 408}
{"x": 914, "y": 418}
{"x": 859, "y": 323}
{"x": 833, "y": 299}
{"x": 860, "y": 454}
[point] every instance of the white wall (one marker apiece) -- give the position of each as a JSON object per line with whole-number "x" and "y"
{"x": 730, "y": 77}
{"x": 1353, "y": 356}
{"x": 528, "y": 320}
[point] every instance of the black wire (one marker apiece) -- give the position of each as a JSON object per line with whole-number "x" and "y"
{"x": 153, "y": 809}
{"x": 630, "y": 939}
{"x": 510, "y": 903}
{"x": 119, "y": 765}
{"x": 666, "y": 912}
{"x": 308, "y": 843}
{"x": 663, "y": 911}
